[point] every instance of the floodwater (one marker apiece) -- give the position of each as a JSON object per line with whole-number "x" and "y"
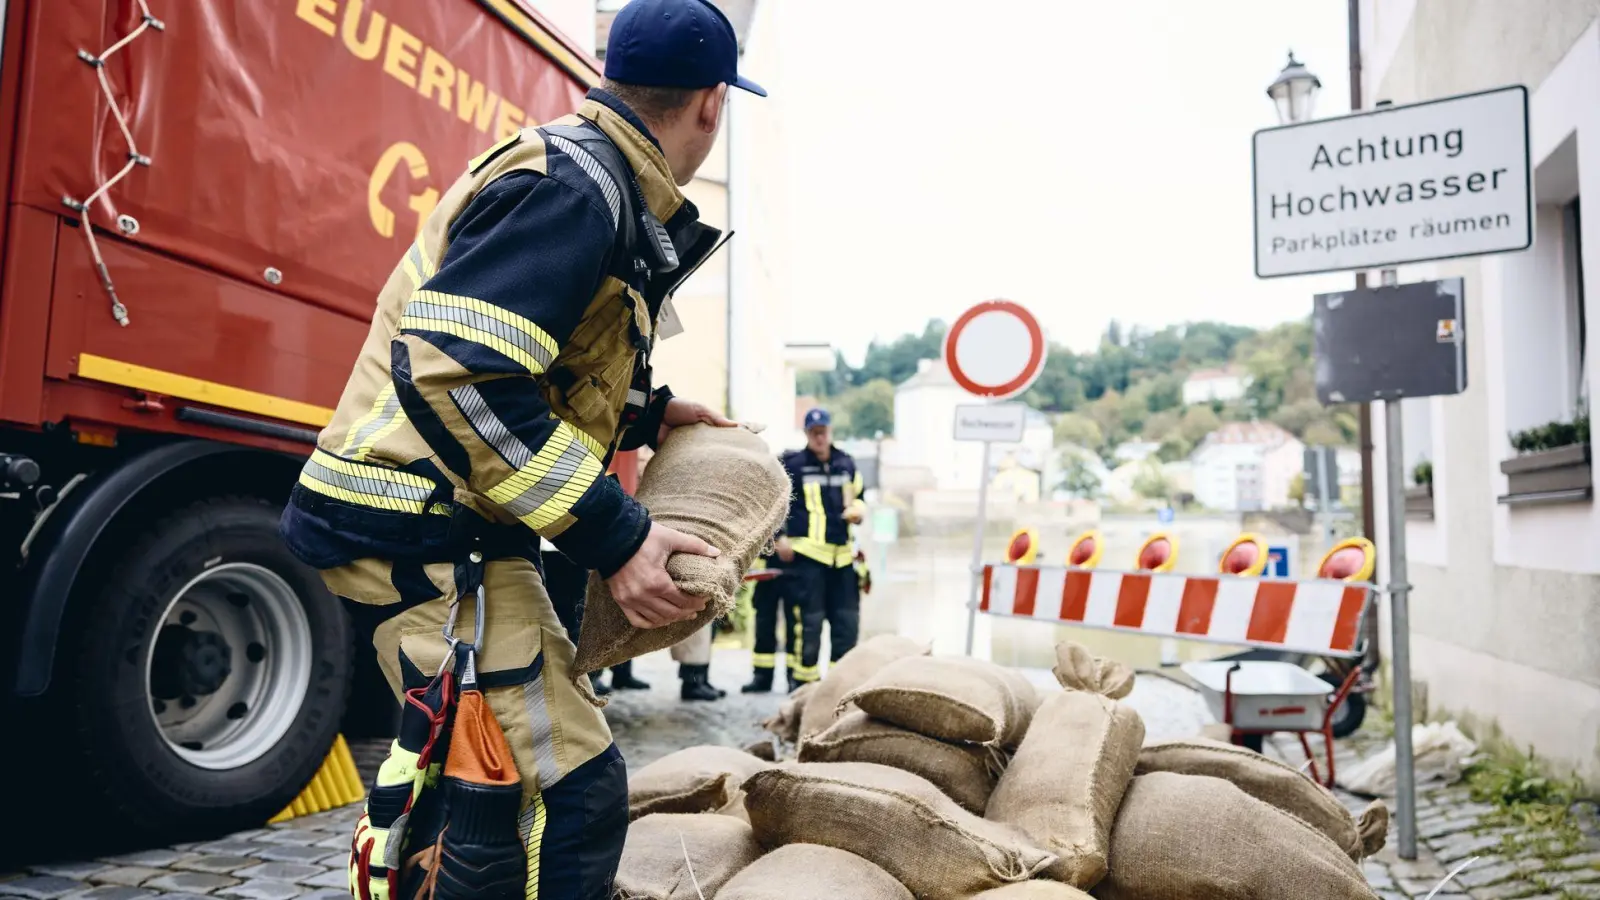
{"x": 922, "y": 587}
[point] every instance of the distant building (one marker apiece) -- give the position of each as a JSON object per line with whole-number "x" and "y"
{"x": 1135, "y": 451}
{"x": 1208, "y": 385}
{"x": 924, "y": 431}
{"x": 1246, "y": 466}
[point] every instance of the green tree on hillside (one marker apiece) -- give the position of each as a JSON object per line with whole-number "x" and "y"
{"x": 1079, "y": 429}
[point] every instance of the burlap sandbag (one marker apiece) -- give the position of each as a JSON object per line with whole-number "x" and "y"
{"x": 1182, "y": 837}
{"x": 965, "y": 772}
{"x": 1079, "y": 670}
{"x": 655, "y": 866}
{"x": 722, "y": 485}
{"x": 1273, "y": 782}
{"x": 952, "y": 698}
{"x": 785, "y": 725}
{"x": 895, "y": 819}
{"x": 1034, "y": 890}
{"x": 813, "y": 872}
{"x": 821, "y": 708}
{"x": 735, "y": 807}
{"x": 1063, "y": 786}
{"x": 694, "y": 780}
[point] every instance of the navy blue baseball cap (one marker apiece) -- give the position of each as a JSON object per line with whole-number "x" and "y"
{"x": 816, "y": 418}
{"x": 675, "y": 44}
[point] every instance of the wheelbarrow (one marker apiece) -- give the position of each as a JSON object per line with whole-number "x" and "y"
{"x": 1259, "y": 697}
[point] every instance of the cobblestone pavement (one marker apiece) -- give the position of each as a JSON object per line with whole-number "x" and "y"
{"x": 1513, "y": 862}
{"x": 304, "y": 858}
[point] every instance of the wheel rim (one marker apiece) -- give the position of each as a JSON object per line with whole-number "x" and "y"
{"x": 228, "y": 669}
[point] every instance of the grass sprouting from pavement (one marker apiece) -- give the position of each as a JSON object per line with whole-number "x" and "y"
{"x": 1527, "y": 798}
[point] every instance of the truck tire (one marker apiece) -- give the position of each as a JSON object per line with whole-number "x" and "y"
{"x": 212, "y": 675}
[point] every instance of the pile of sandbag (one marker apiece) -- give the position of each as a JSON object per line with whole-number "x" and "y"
{"x": 947, "y": 778}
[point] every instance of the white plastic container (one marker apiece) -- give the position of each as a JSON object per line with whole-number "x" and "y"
{"x": 1267, "y": 696}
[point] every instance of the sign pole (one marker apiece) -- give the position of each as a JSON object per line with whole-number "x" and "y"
{"x": 977, "y": 548}
{"x": 1324, "y": 503}
{"x": 1400, "y": 626}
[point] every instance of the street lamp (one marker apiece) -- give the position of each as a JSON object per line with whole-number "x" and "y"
{"x": 1294, "y": 91}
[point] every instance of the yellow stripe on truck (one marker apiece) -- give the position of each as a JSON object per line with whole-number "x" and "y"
{"x": 171, "y": 384}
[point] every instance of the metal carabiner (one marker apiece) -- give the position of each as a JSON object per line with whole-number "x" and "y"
{"x": 469, "y": 672}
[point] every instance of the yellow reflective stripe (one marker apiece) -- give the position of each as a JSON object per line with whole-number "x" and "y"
{"x": 806, "y": 673}
{"x": 409, "y": 266}
{"x": 474, "y": 320}
{"x": 382, "y": 420}
{"x": 423, "y": 257}
{"x": 833, "y": 555}
{"x": 547, "y": 487}
{"x": 816, "y": 520}
{"x": 535, "y": 845}
{"x": 857, "y": 484}
{"x": 369, "y": 470}
{"x": 595, "y": 447}
{"x": 763, "y": 660}
{"x": 366, "y": 485}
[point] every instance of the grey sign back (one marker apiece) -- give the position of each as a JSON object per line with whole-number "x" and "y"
{"x": 1388, "y": 343}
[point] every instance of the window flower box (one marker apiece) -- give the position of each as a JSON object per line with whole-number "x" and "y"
{"x": 1557, "y": 475}
{"x": 1419, "y": 501}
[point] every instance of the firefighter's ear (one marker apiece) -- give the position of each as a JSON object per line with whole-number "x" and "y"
{"x": 712, "y": 102}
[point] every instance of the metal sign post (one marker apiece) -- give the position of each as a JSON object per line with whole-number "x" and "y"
{"x": 995, "y": 351}
{"x": 1388, "y": 343}
{"x": 977, "y": 548}
{"x": 1400, "y": 625}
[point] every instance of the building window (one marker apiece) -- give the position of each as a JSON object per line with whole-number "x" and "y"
{"x": 1577, "y": 315}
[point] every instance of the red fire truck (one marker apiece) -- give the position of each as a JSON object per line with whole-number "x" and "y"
{"x": 202, "y": 201}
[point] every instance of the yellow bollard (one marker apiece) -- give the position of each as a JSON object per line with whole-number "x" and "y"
{"x": 337, "y": 783}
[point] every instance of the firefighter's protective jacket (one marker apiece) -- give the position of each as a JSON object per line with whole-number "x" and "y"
{"x": 508, "y": 359}
{"x": 821, "y": 493}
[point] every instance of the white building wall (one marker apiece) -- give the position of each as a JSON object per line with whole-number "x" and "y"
{"x": 1506, "y": 608}
{"x": 1205, "y": 390}
{"x": 761, "y": 387}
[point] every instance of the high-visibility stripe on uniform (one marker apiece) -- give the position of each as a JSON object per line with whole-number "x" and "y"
{"x": 494, "y": 432}
{"x": 1315, "y": 616}
{"x": 515, "y": 337}
{"x": 533, "y": 844}
{"x": 548, "y": 485}
{"x": 382, "y": 420}
{"x": 368, "y": 485}
{"x": 764, "y": 660}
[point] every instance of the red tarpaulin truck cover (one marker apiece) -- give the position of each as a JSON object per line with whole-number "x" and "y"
{"x": 301, "y": 138}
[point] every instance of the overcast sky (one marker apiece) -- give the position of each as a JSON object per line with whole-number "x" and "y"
{"x": 1089, "y": 160}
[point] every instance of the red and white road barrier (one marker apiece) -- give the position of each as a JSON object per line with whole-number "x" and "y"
{"x": 1312, "y": 616}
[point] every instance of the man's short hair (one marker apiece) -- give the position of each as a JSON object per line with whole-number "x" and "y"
{"x": 653, "y": 104}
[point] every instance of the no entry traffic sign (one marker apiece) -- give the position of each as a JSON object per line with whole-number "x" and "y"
{"x": 995, "y": 350}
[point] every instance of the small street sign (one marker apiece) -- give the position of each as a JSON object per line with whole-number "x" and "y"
{"x": 1002, "y": 423}
{"x": 995, "y": 350}
{"x": 1280, "y": 561}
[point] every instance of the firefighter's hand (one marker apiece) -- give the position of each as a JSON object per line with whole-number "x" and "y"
{"x": 854, "y": 515}
{"x": 686, "y": 412}
{"x": 643, "y": 589}
{"x": 785, "y": 550}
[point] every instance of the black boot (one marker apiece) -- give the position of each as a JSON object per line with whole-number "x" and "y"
{"x": 760, "y": 683}
{"x": 695, "y": 683}
{"x": 622, "y": 678}
{"x": 600, "y": 689}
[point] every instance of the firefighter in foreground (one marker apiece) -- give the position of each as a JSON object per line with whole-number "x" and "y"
{"x": 817, "y": 552}
{"x": 508, "y": 359}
